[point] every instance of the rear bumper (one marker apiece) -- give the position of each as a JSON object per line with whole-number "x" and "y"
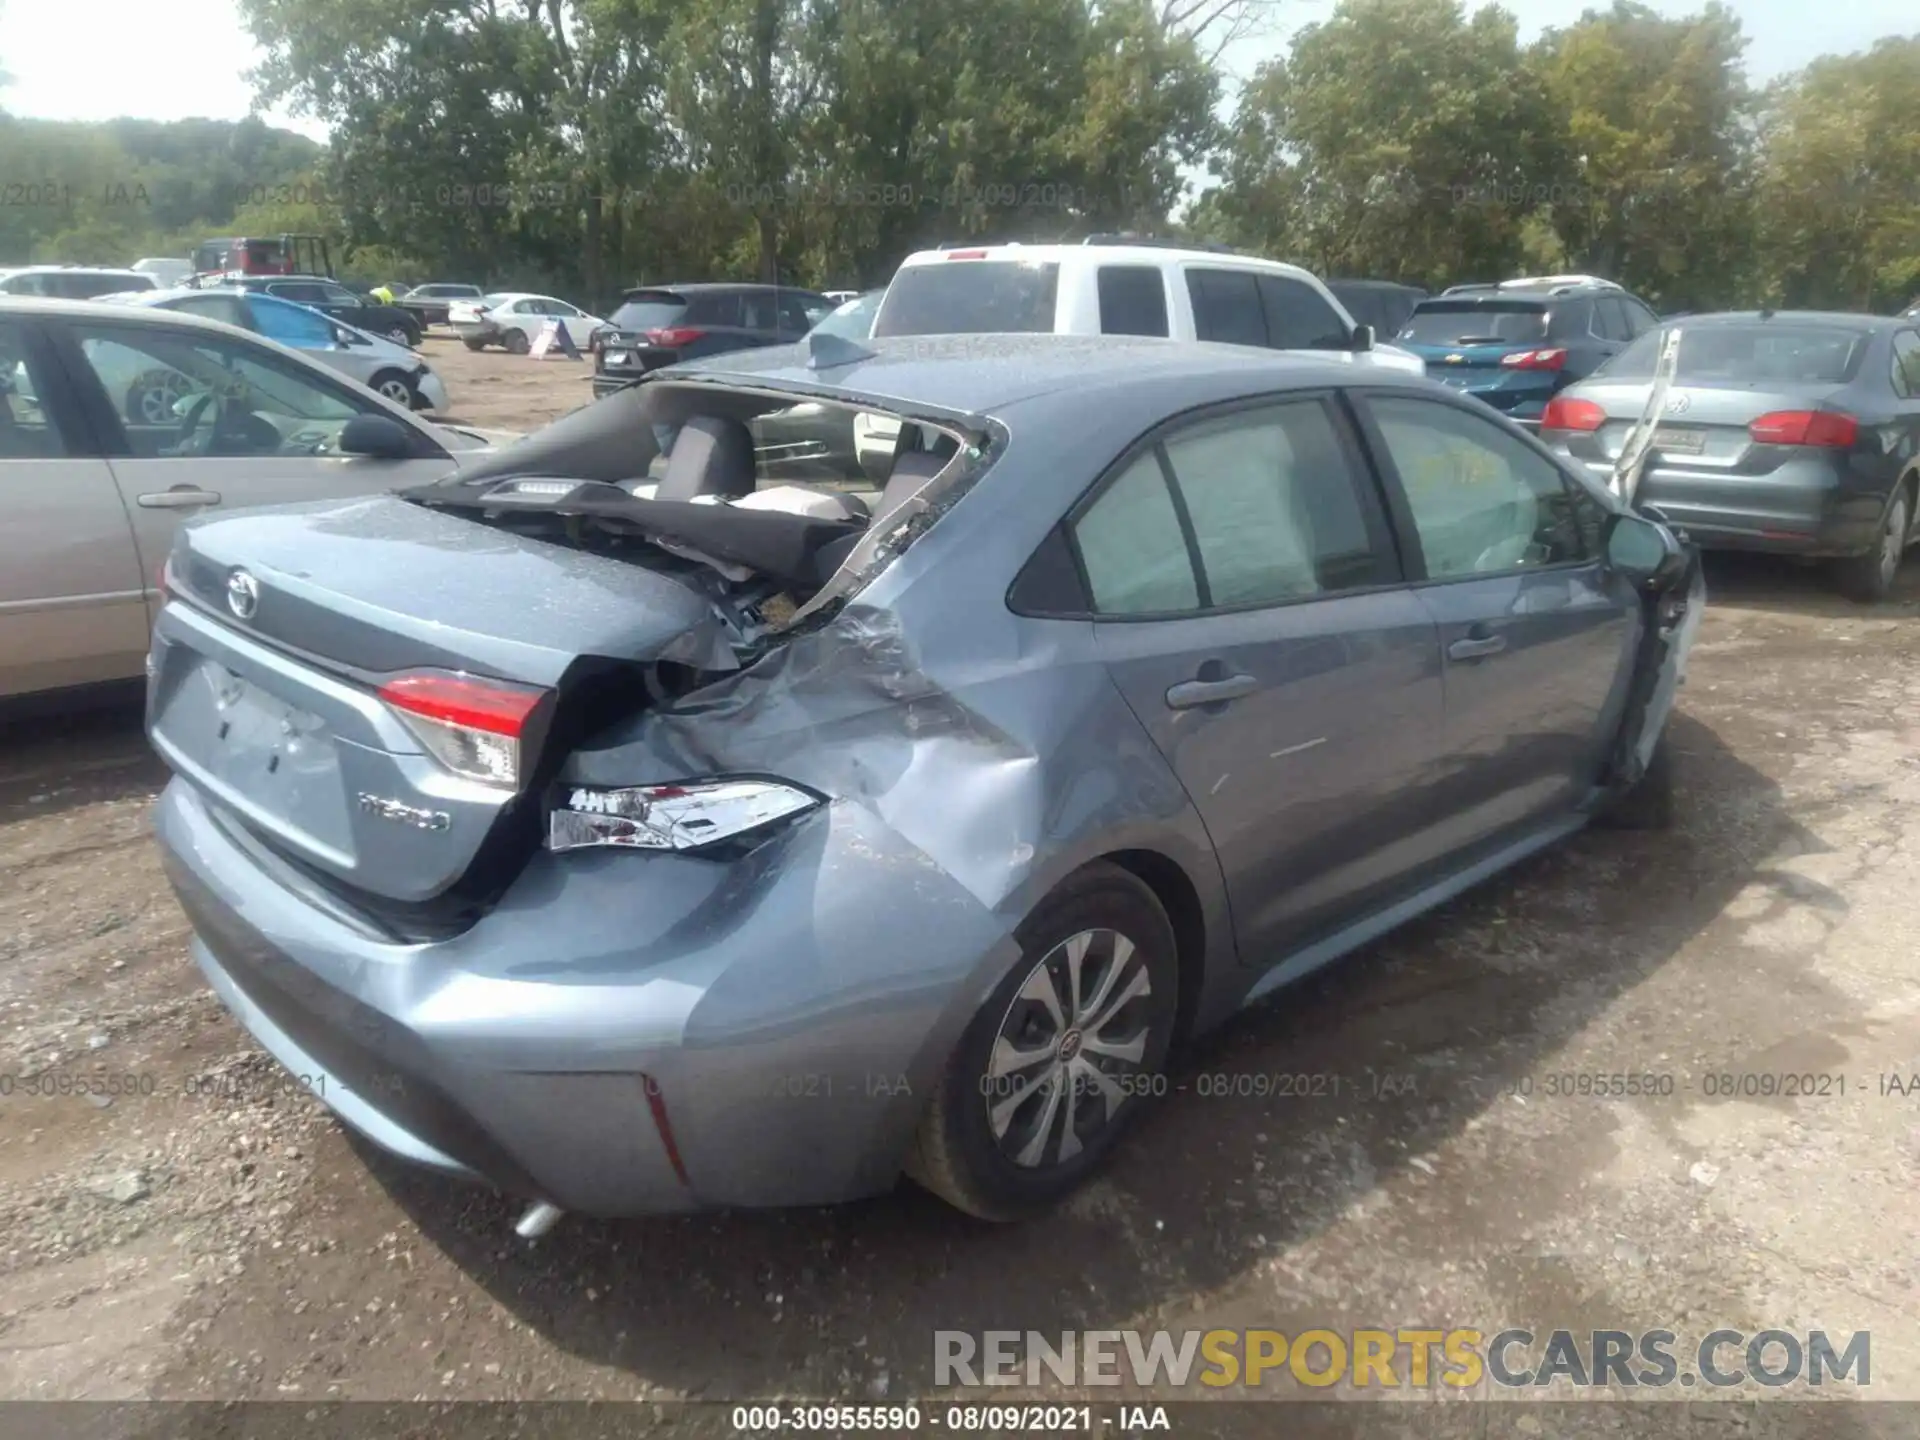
{"x": 1804, "y": 508}
{"x": 766, "y": 1008}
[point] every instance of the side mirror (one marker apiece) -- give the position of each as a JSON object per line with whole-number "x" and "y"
{"x": 378, "y": 437}
{"x": 1362, "y": 338}
{"x": 1644, "y": 551}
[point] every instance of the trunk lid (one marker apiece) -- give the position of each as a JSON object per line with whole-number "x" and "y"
{"x": 1703, "y": 429}
{"x": 263, "y": 690}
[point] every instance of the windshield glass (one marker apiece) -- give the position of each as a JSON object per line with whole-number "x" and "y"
{"x": 1462, "y": 322}
{"x": 853, "y": 320}
{"x": 971, "y": 297}
{"x": 1762, "y": 352}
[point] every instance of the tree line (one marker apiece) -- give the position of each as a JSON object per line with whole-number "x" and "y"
{"x": 584, "y": 146}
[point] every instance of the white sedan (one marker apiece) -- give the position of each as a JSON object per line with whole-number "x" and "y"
{"x": 515, "y": 320}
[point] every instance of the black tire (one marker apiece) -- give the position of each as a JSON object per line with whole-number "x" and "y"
{"x": 1649, "y": 805}
{"x": 473, "y": 344}
{"x": 396, "y": 387}
{"x": 1868, "y": 578}
{"x": 517, "y": 342}
{"x": 956, "y": 1154}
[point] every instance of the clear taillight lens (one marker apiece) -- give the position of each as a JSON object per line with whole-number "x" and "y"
{"x": 472, "y": 726}
{"x": 686, "y": 816}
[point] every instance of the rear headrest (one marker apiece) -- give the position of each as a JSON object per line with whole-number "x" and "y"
{"x": 712, "y": 455}
{"x": 911, "y": 471}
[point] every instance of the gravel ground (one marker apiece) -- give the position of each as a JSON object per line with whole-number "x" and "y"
{"x": 206, "y": 1234}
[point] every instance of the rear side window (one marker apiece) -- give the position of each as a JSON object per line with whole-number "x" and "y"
{"x": 1253, "y": 508}
{"x": 1299, "y": 317}
{"x": 1452, "y": 322}
{"x": 713, "y": 308}
{"x": 1226, "y": 307}
{"x": 1758, "y": 351}
{"x": 971, "y": 297}
{"x": 1133, "y": 300}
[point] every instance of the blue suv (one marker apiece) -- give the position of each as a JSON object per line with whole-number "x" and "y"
{"x": 1517, "y": 344}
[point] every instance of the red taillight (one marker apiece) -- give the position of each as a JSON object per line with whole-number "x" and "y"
{"x": 1564, "y": 414}
{"x": 473, "y": 727}
{"x": 1825, "y": 428}
{"x": 966, "y": 254}
{"x": 674, "y": 336}
{"x": 1535, "y": 360}
{"x": 460, "y": 700}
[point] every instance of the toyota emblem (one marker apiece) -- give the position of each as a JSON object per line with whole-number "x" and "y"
{"x": 243, "y": 594}
{"x": 1677, "y": 402}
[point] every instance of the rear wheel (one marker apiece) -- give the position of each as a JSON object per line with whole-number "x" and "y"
{"x": 1054, "y": 1065}
{"x": 517, "y": 342}
{"x": 396, "y": 387}
{"x": 151, "y": 397}
{"x": 1869, "y": 577}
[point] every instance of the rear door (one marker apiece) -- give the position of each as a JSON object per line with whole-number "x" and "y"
{"x": 265, "y": 434}
{"x": 72, "y": 607}
{"x": 1246, "y": 600}
{"x": 1537, "y": 634}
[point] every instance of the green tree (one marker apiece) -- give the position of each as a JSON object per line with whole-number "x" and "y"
{"x": 1839, "y": 190}
{"x": 1400, "y": 139}
{"x": 1658, "y": 117}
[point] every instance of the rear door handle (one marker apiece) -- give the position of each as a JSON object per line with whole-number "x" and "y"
{"x": 1475, "y": 646}
{"x": 1191, "y": 693}
{"x": 181, "y": 497}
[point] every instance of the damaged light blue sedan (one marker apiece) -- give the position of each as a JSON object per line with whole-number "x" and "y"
{"x": 638, "y": 833}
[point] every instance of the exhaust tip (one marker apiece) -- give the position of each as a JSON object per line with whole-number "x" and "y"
{"x": 539, "y": 1219}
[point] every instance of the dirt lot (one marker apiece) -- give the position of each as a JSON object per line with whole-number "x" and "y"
{"x": 209, "y": 1236}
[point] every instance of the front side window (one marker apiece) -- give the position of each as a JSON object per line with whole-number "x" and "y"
{"x": 1256, "y": 507}
{"x": 1226, "y": 307}
{"x": 186, "y": 392}
{"x": 1299, "y": 317}
{"x": 293, "y": 325}
{"x": 1482, "y": 502}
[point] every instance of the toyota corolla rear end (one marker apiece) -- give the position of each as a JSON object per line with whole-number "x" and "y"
{"x": 600, "y": 976}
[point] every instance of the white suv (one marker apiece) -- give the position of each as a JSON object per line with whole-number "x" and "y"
{"x": 1124, "y": 287}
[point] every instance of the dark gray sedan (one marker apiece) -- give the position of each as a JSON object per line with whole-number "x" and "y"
{"x": 1788, "y": 431}
{"x": 643, "y": 835}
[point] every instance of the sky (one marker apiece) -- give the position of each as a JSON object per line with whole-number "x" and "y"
{"x": 194, "y": 64}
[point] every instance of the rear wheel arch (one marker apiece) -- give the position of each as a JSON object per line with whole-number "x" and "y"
{"x": 1180, "y": 898}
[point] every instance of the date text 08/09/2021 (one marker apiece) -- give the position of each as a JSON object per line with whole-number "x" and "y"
{"x": 958, "y": 1419}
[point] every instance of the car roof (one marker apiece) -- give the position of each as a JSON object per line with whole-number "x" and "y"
{"x": 985, "y": 373}
{"x": 1155, "y": 255}
{"x": 76, "y": 270}
{"x": 708, "y": 287}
